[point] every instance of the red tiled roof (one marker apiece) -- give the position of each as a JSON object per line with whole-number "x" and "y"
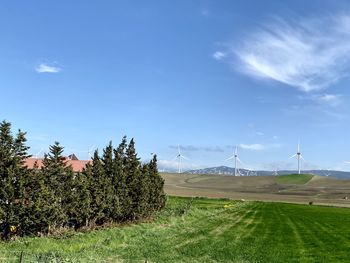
{"x": 77, "y": 165}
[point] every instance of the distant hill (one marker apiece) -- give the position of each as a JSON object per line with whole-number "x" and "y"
{"x": 225, "y": 170}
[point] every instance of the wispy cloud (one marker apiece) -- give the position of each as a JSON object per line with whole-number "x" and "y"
{"x": 324, "y": 100}
{"x": 328, "y": 99}
{"x": 316, "y": 112}
{"x": 219, "y": 55}
{"x": 252, "y": 147}
{"x": 192, "y": 148}
{"x": 309, "y": 54}
{"x": 259, "y": 146}
{"x": 46, "y": 68}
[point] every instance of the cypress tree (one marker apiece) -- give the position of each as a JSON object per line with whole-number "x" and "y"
{"x": 115, "y": 187}
{"x": 107, "y": 182}
{"x": 58, "y": 181}
{"x": 121, "y": 200}
{"x": 133, "y": 173}
{"x": 157, "y": 195}
{"x": 43, "y": 205}
{"x": 81, "y": 200}
{"x": 144, "y": 202}
{"x": 95, "y": 175}
{"x": 13, "y": 151}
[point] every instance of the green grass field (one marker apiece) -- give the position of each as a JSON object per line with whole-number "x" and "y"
{"x": 204, "y": 230}
{"x": 294, "y": 178}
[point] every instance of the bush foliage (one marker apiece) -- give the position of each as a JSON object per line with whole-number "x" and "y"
{"x": 114, "y": 187}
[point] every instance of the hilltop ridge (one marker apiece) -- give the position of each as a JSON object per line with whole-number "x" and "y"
{"x": 225, "y": 170}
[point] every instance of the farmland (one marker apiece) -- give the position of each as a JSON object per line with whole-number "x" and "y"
{"x": 204, "y": 230}
{"x": 287, "y": 188}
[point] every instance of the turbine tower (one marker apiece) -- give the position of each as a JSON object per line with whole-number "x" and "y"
{"x": 36, "y": 156}
{"x": 90, "y": 151}
{"x": 298, "y": 156}
{"x": 327, "y": 173}
{"x": 235, "y": 157}
{"x": 179, "y": 157}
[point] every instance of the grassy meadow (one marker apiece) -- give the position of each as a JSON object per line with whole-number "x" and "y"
{"x": 294, "y": 178}
{"x": 203, "y": 230}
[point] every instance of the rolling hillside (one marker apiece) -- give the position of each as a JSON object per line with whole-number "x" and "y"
{"x": 225, "y": 170}
{"x": 290, "y": 188}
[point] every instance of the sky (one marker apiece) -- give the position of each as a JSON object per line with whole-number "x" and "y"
{"x": 205, "y": 75}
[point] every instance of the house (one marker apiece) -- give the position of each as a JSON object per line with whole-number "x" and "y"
{"x": 72, "y": 160}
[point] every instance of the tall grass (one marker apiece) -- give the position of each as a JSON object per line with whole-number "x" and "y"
{"x": 204, "y": 230}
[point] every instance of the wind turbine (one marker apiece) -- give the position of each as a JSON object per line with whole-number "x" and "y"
{"x": 299, "y": 156}
{"x": 235, "y": 157}
{"x": 327, "y": 173}
{"x": 90, "y": 151}
{"x": 179, "y": 157}
{"x": 36, "y": 156}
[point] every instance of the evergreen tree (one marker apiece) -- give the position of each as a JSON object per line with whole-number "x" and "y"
{"x": 43, "y": 206}
{"x": 121, "y": 199}
{"x": 13, "y": 151}
{"x": 58, "y": 180}
{"x": 144, "y": 202}
{"x": 95, "y": 175}
{"x": 133, "y": 173}
{"x": 109, "y": 195}
{"x": 157, "y": 195}
{"x": 81, "y": 200}
{"x": 115, "y": 187}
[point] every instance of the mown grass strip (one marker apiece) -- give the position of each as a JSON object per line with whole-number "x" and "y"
{"x": 294, "y": 178}
{"x": 205, "y": 230}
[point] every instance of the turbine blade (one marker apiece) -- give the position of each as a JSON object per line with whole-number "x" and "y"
{"x": 234, "y": 157}
{"x": 239, "y": 160}
{"x": 301, "y": 157}
{"x": 292, "y": 156}
{"x": 184, "y": 157}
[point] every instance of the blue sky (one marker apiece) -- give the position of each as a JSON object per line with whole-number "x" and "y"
{"x": 206, "y": 75}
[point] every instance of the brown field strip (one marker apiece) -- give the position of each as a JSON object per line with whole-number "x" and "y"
{"x": 319, "y": 190}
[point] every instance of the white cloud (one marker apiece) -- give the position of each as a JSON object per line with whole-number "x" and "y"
{"x": 218, "y": 55}
{"x": 192, "y": 148}
{"x": 309, "y": 54}
{"x": 253, "y": 147}
{"x": 328, "y": 99}
{"x": 45, "y": 68}
{"x": 172, "y": 166}
{"x": 260, "y": 147}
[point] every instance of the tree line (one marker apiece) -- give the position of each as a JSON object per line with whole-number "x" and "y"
{"x": 114, "y": 187}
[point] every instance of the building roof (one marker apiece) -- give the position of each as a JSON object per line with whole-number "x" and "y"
{"x": 77, "y": 165}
